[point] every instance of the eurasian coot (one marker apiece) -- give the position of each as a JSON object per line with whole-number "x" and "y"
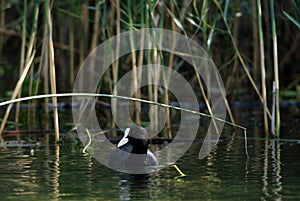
{"x": 133, "y": 151}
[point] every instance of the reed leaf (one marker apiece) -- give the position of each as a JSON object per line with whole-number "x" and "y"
{"x": 295, "y": 21}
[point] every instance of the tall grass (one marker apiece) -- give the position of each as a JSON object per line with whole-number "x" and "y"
{"x": 217, "y": 25}
{"x": 27, "y": 63}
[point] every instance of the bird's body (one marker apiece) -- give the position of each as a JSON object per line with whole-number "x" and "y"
{"x": 133, "y": 150}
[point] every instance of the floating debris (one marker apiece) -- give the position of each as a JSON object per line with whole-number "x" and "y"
{"x": 18, "y": 143}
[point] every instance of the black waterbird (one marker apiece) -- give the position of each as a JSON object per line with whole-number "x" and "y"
{"x": 133, "y": 150}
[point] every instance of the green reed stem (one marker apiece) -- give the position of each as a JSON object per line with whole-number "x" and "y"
{"x": 276, "y": 70}
{"x": 262, "y": 65}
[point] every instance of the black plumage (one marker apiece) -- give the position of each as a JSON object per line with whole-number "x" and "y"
{"x": 133, "y": 150}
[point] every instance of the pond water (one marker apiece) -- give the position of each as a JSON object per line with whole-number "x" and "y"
{"x": 63, "y": 172}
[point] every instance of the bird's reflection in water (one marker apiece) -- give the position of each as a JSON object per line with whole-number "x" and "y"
{"x": 135, "y": 186}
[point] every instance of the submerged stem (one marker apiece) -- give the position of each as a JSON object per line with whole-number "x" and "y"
{"x": 179, "y": 171}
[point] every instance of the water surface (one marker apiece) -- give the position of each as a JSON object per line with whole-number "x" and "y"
{"x": 62, "y": 172}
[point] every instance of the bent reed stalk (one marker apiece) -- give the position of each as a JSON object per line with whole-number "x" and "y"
{"x": 10, "y": 102}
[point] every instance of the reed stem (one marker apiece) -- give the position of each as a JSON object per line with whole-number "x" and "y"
{"x": 52, "y": 67}
{"x": 22, "y": 56}
{"x": 45, "y": 70}
{"x": 134, "y": 66}
{"x": 262, "y": 65}
{"x": 276, "y": 70}
{"x": 115, "y": 65}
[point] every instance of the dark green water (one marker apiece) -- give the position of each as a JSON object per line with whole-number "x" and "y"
{"x": 50, "y": 172}
{"x": 64, "y": 173}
